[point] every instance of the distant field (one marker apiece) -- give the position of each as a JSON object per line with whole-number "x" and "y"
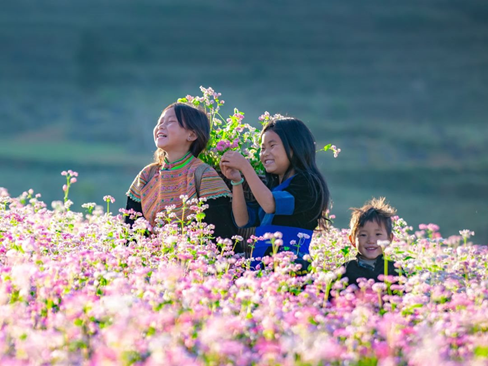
{"x": 448, "y": 197}
{"x": 401, "y": 88}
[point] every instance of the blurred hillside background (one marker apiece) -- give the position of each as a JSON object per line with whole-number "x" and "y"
{"x": 400, "y": 86}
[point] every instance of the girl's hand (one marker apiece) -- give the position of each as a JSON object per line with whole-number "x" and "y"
{"x": 233, "y": 159}
{"x": 230, "y": 173}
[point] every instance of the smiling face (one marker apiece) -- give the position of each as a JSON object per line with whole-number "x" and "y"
{"x": 367, "y": 237}
{"x": 169, "y": 135}
{"x": 273, "y": 154}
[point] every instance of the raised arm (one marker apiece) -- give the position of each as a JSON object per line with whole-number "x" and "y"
{"x": 263, "y": 195}
{"x": 239, "y": 208}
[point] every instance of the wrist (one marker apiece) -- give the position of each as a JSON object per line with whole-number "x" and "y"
{"x": 237, "y": 183}
{"x": 247, "y": 169}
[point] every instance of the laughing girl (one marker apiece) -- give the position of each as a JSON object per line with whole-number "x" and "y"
{"x": 181, "y": 134}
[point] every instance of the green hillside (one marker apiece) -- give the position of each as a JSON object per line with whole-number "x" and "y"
{"x": 401, "y": 87}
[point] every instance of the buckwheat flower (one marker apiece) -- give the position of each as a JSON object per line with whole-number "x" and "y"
{"x": 336, "y": 150}
{"x": 466, "y": 234}
{"x": 170, "y": 208}
{"x": 109, "y": 198}
{"x": 89, "y": 205}
{"x": 383, "y": 243}
{"x": 65, "y": 187}
{"x": 64, "y": 172}
{"x": 378, "y": 287}
{"x": 238, "y": 237}
{"x": 278, "y": 235}
{"x": 433, "y": 227}
{"x": 73, "y": 180}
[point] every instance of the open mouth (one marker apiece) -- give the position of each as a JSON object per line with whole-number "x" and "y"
{"x": 371, "y": 249}
{"x": 268, "y": 161}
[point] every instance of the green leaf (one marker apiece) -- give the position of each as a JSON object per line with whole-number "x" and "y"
{"x": 481, "y": 351}
{"x": 326, "y": 147}
{"x": 182, "y": 100}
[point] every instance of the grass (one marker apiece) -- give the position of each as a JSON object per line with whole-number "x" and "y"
{"x": 69, "y": 152}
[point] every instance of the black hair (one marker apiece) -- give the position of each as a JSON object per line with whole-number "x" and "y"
{"x": 193, "y": 119}
{"x": 299, "y": 146}
{"x": 376, "y": 210}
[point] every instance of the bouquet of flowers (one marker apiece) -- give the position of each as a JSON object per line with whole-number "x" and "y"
{"x": 232, "y": 133}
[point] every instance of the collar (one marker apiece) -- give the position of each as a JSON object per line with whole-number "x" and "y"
{"x": 362, "y": 263}
{"x": 178, "y": 164}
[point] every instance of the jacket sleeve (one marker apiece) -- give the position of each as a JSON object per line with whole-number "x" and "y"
{"x": 219, "y": 213}
{"x": 136, "y": 206}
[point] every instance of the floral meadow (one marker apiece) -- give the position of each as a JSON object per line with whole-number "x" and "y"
{"x": 84, "y": 288}
{"x": 81, "y": 287}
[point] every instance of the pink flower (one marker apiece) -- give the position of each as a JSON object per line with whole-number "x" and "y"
{"x": 109, "y": 198}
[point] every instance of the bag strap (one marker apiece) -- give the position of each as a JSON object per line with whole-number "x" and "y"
{"x": 198, "y": 176}
{"x": 152, "y": 171}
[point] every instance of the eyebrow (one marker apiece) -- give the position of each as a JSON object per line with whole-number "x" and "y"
{"x": 269, "y": 142}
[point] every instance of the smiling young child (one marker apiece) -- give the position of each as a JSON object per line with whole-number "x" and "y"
{"x": 180, "y": 135}
{"x": 296, "y": 196}
{"x": 370, "y": 225}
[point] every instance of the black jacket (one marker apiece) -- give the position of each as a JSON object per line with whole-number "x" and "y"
{"x": 357, "y": 268}
{"x": 219, "y": 213}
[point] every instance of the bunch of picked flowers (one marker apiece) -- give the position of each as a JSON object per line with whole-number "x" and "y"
{"x": 226, "y": 133}
{"x": 232, "y": 133}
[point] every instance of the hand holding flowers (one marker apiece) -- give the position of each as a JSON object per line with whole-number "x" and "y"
{"x": 232, "y": 165}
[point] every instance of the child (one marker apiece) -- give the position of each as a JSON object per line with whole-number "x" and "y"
{"x": 182, "y": 132}
{"x": 369, "y": 225}
{"x": 295, "y": 198}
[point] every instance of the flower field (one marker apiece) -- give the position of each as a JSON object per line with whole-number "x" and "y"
{"x": 85, "y": 289}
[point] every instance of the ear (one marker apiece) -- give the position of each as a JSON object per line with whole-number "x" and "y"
{"x": 192, "y": 136}
{"x": 353, "y": 242}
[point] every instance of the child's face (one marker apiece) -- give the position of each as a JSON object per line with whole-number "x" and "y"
{"x": 273, "y": 154}
{"x": 366, "y": 240}
{"x": 169, "y": 135}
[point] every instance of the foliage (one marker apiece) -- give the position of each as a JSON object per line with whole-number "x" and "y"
{"x": 88, "y": 289}
{"x": 232, "y": 133}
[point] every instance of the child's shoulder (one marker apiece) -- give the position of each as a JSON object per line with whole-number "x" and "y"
{"x": 352, "y": 262}
{"x": 148, "y": 171}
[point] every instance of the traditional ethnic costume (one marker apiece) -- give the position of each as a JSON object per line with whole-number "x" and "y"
{"x": 295, "y": 216}
{"x": 157, "y": 187}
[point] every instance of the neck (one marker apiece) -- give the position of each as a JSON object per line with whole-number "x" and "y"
{"x": 172, "y": 156}
{"x": 282, "y": 177}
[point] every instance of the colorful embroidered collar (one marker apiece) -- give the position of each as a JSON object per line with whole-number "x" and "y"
{"x": 178, "y": 164}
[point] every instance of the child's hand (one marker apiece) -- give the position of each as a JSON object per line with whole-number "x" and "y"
{"x": 230, "y": 173}
{"x": 233, "y": 159}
